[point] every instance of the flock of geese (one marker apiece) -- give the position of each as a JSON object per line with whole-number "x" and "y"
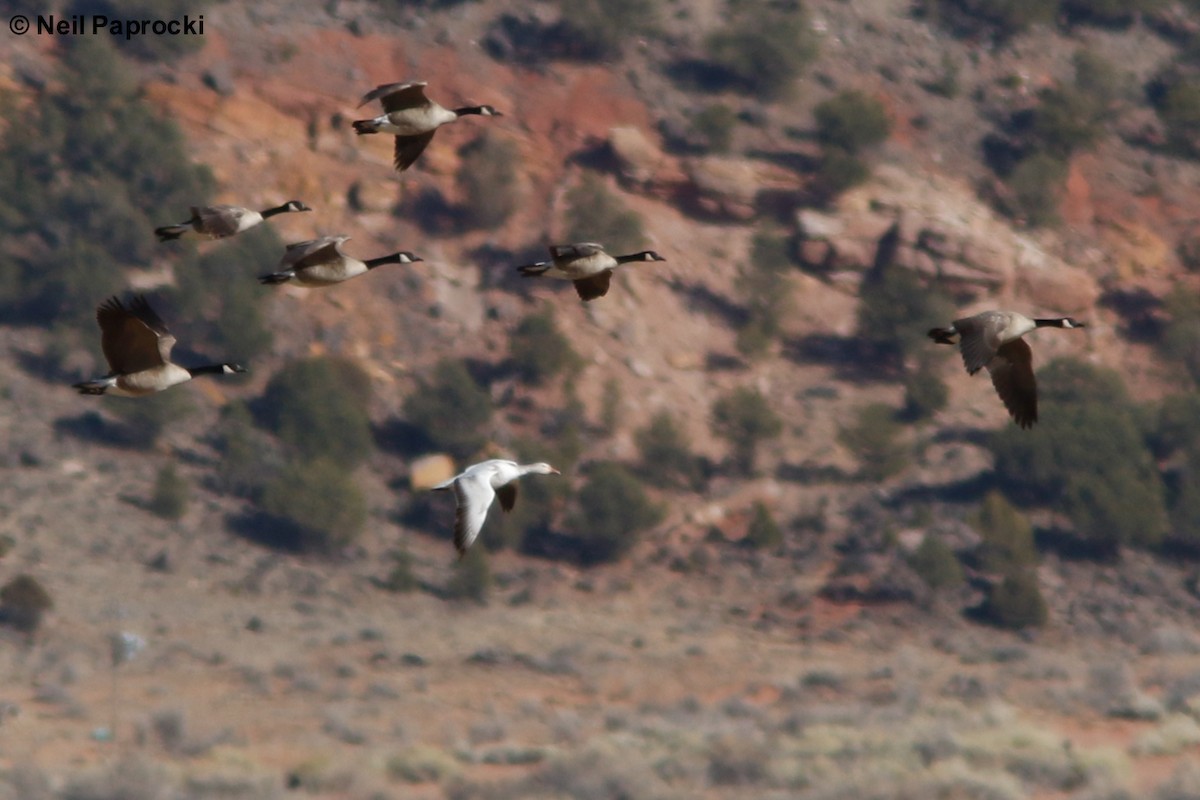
{"x": 137, "y": 344}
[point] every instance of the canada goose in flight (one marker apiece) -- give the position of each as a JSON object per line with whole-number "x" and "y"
{"x": 586, "y": 264}
{"x": 477, "y": 485}
{"x": 321, "y": 262}
{"x": 220, "y": 221}
{"x": 992, "y": 339}
{"x": 412, "y": 117}
{"x": 137, "y": 346}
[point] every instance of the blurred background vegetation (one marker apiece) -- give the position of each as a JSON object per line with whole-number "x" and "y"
{"x": 125, "y": 163}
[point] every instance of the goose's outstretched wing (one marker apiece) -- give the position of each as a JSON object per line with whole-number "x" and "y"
{"x": 474, "y": 495}
{"x": 594, "y": 286}
{"x": 577, "y": 250}
{"x": 976, "y": 345}
{"x": 398, "y": 96}
{"x": 219, "y": 221}
{"x": 409, "y": 149}
{"x": 1012, "y": 376}
{"x": 507, "y": 495}
{"x": 314, "y": 251}
{"x": 133, "y": 338}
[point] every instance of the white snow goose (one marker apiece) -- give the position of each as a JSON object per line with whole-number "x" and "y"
{"x": 476, "y": 487}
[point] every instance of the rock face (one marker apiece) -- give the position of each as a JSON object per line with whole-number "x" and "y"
{"x": 640, "y": 162}
{"x": 938, "y": 228}
{"x": 725, "y": 186}
{"x": 1057, "y": 286}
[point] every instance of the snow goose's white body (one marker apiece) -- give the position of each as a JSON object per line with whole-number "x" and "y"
{"x": 477, "y": 486}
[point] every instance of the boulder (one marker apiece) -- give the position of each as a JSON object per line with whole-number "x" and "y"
{"x": 816, "y": 254}
{"x": 1057, "y": 286}
{"x": 817, "y": 225}
{"x": 686, "y": 360}
{"x": 725, "y": 187}
{"x": 937, "y": 227}
{"x": 708, "y": 515}
{"x": 853, "y": 254}
{"x": 428, "y": 471}
{"x": 985, "y": 258}
{"x": 638, "y": 159}
{"x": 846, "y": 242}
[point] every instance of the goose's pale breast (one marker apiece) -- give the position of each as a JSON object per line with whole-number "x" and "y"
{"x": 415, "y": 121}
{"x": 327, "y": 274}
{"x": 585, "y": 266}
{"x": 149, "y": 381}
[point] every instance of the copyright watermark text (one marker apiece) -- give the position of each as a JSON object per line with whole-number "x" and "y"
{"x": 84, "y": 24}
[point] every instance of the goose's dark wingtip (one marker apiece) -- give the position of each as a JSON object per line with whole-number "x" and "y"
{"x": 943, "y": 335}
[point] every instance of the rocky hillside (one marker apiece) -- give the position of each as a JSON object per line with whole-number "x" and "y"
{"x": 695, "y": 664}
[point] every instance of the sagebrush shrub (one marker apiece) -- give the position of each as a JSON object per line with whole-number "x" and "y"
{"x": 765, "y": 293}
{"x": 539, "y": 351}
{"x": 488, "y": 181}
{"x": 450, "y": 408}
{"x": 764, "y": 532}
{"x": 874, "y": 440}
{"x": 602, "y": 27}
{"x": 1017, "y": 602}
{"x": 763, "y": 47}
{"x": 594, "y": 214}
{"x": 934, "y": 561}
{"x": 23, "y": 602}
{"x": 320, "y": 501}
{"x": 171, "y": 494}
{"x": 851, "y": 121}
{"x": 319, "y": 407}
{"x": 714, "y": 125}
{"x": 895, "y": 309}
{"x": 745, "y": 418}
{"x": 667, "y": 458}
{"x": 1089, "y": 460}
{"x": 612, "y": 510}
{"x": 86, "y": 177}
{"x": 1008, "y": 542}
